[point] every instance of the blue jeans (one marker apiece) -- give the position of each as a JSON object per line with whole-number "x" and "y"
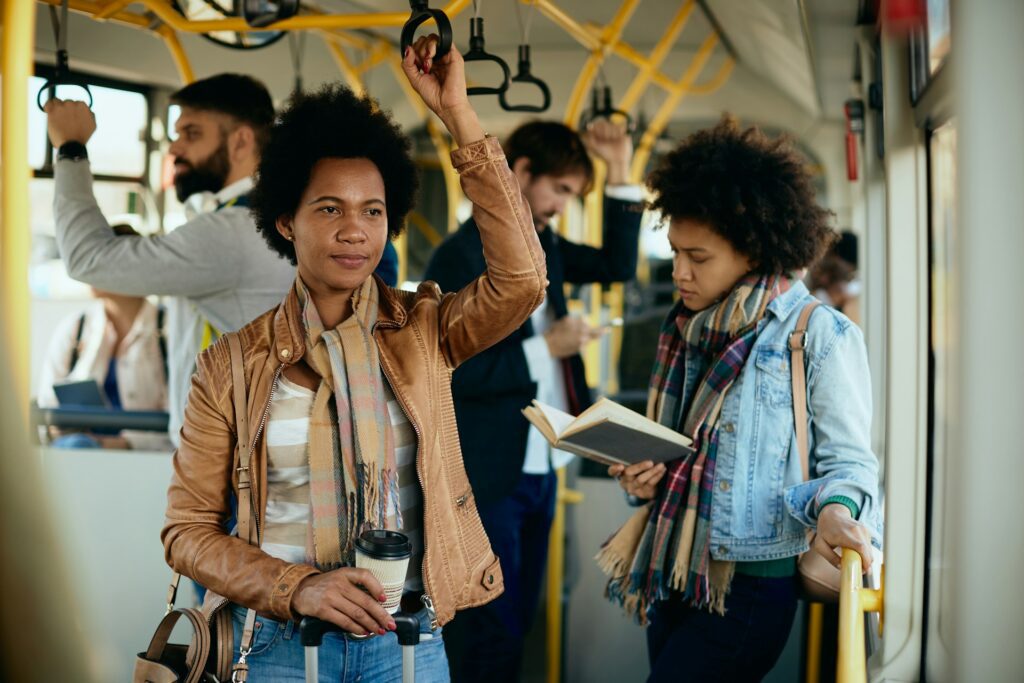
{"x": 278, "y": 656}
{"x": 688, "y": 644}
{"x": 485, "y": 644}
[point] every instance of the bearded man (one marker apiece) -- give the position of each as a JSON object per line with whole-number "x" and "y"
{"x": 215, "y": 270}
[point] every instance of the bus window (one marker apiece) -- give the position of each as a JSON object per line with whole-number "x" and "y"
{"x": 113, "y": 149}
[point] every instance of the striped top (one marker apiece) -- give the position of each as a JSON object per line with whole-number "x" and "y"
{"x": 287, "y": 527}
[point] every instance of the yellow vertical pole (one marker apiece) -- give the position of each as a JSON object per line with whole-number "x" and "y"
{"x": 15, "y": 220}
{"x": 815, "y": 622}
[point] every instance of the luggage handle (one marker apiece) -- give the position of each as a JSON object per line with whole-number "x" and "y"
{"x": 313, "y": 630}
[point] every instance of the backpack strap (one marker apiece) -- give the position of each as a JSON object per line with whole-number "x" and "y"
{"x": 76, "y": 350}
{"x": 798, "y": 376}
{"x": 161, "y": 337}
{"x": 243, "y": 449}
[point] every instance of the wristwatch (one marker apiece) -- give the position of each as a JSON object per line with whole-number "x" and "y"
{"x": 72, "y": 151}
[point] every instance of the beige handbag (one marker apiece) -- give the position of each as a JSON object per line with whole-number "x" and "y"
{"x": 819, "y": 579}
{"x": 207, "y": 658}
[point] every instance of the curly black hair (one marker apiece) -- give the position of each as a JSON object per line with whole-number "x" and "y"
{"x": 751, "y": 189}
{"x": 333, "y": 122}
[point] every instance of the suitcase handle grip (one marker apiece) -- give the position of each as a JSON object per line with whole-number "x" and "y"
{"x": 312, "y": 630}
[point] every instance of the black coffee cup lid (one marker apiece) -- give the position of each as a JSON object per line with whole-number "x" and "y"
{"x": 384, "y": 544}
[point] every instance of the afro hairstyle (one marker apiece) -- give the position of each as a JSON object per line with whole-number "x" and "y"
{"x": 752, "y": 190}
{"x": 333, "y": 122}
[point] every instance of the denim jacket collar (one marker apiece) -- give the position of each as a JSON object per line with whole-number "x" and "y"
{"x": 784, "y": 304}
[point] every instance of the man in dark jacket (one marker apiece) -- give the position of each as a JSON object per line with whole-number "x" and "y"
{"x": 510, "y": 465}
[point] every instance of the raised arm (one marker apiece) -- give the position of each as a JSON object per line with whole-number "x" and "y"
{"x": 193, "y": 260}
{"x": 493, "y": 305}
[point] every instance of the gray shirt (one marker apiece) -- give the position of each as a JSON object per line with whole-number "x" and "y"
{"x": 214, "y": 268}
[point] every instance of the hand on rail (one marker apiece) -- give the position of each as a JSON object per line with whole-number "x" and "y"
{"x": 610, "y": 142}
{"x": 348, "y": 597}
{"x": 69, "y": 121}
{"x": 639, "y": 479}
{"x": 441, "y": 83}
{"x": 838, "y": 529}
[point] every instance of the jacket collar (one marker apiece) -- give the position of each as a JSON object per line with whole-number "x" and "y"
{"x": 290, "y": 335}
{"x": 782, "y": 305}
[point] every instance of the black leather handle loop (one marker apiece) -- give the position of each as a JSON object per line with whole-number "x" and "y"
{"x": 421, "y": 13}
{"x": 601, "y": 108}
{"x": 477, "y": 53}
{"x": 254, "y": 14}
{"x": 61, "y": 76}
{"x": 524, "y": 76}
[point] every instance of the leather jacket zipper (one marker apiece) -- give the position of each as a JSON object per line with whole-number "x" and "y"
{"x": 425, "y": 598}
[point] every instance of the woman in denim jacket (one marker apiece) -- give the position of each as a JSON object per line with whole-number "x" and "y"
{"x": 710, "y": 561}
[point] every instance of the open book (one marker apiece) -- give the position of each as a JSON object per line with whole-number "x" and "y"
{"x": 608, "y": 433}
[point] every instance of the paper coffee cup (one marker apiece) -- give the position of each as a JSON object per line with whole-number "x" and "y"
{"x": 386, "y": 554}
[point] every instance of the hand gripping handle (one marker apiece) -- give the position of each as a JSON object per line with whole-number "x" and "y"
{"x": 422, "y": 13}
{"x": 61, "y": 76}
{"x": 601, "y": 108}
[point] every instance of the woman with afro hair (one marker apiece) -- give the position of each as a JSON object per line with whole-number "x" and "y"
{"x": 710, "y": 560}
{"x": 347, "y": 385}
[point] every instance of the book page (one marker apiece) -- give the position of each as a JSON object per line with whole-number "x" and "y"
{"x": 608, "y": 410}
{"x": 549, "y": 420}
{"x": 609, "y": 441}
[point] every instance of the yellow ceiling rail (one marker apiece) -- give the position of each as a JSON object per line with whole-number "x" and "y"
{"x": 668, "y": 107}
{"x": 348, "y": 70}
{"x": 566, "y": 23}
{"x": 112, "y": 8}
{"x": 608, "y": 38}
{"x": 170, "y": 38}
{"x": 716, "y": 81}
{"x": 15, "y": 217}
{"x": 658, "y": 55}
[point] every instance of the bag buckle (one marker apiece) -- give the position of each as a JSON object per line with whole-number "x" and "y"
{"x": 798, "y": 340}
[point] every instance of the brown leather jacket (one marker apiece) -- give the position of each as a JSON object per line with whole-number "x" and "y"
{"x": 421, "y": 337}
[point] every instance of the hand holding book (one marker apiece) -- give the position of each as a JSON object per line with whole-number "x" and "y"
{"x": 641, "y": 479}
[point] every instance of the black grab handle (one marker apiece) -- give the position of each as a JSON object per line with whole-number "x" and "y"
{"x": 421, "y": 13}
{"x": 61, "y": 76}
{"x": 524, "y": 76}
{"x": 601, "y": 108}
{"x": 313, "y": 630}
{"x": 253, "y": 11}
{"x": 477, "y": 53}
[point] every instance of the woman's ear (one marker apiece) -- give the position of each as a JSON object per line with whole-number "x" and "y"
{"x": 285, "y": 227}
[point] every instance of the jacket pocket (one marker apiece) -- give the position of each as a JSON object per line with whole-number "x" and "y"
{"x": 774, "y": 383}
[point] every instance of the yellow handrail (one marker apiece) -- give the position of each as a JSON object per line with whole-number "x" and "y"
{"x": 15, "y": 220}
{"x": 556, "y": 570}
{"x": 854, "y": 601}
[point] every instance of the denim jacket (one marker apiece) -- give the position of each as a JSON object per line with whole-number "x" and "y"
{"x": 761, "y": 506}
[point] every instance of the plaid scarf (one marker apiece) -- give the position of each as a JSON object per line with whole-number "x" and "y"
{"x": 665, "y": 546}
{"x": 352, "y": 469}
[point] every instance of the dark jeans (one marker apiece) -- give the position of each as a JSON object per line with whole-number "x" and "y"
{"x": 687, "y": 644}
{"x": 486, "y": 643}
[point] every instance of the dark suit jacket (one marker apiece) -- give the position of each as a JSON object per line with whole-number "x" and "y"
{"x": 492, "y": 388}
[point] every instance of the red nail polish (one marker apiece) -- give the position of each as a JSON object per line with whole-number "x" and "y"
{"x": 392, "y": 626}
{"x": 382, "y": 597}
{"x": 380, "y": 632}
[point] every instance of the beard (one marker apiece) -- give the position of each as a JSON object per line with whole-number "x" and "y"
{"x": 208, "y": 175}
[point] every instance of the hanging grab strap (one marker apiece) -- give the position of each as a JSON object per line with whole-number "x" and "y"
{"x": 477, "y": 53}
{"x": 601, "y": 108}
{"x": 421, "y": 13}
{"x": 256, "y": 15}
{"x": 524, "y": 76}
{"x": 62, "y": 73}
